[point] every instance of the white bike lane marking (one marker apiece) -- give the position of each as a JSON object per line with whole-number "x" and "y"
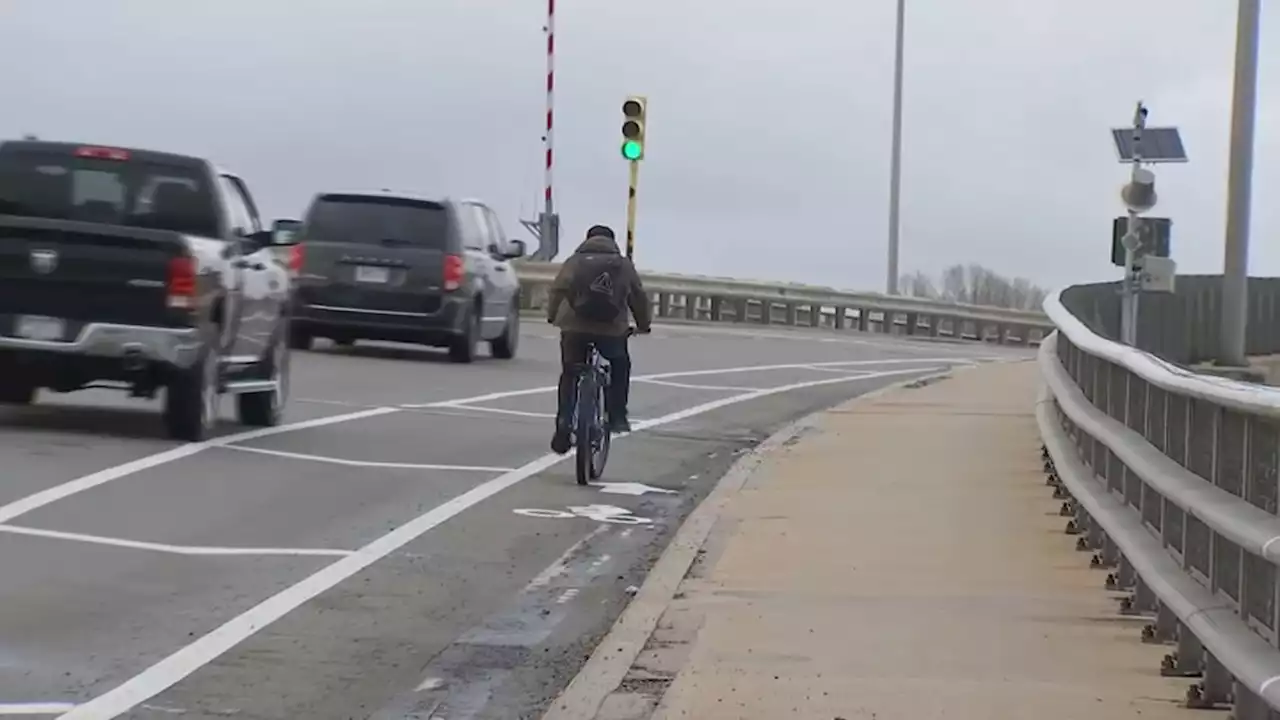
{"x": 187, "y": 660}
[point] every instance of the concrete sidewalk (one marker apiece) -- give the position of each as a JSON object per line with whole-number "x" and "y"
{"x": 903, "y": 559}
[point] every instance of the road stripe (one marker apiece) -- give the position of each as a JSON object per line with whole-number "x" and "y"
{"x": 366, "y": 463}
{"x": 187, "y": 660}
{"x": 166, "y": 548}
{"x": 35, "y": 708}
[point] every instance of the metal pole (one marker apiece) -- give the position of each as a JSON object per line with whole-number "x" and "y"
{"x": 1235, "y": 262}
{"x": 1128, "y": 289}
{"x": 631, "y": 208}
{"x": 895, "y": 163}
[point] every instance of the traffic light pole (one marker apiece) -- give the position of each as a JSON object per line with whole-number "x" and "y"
{"x": 631, "y": 208}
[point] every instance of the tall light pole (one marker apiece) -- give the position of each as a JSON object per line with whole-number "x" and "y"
{"x": 895, "y": 162}
{"x": 1235, "y": 262}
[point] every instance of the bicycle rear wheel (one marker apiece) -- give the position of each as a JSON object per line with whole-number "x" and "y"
{"x": 585, "y": 420}
{"x": 602, "y": 436}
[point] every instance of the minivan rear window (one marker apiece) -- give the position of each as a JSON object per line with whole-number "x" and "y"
{"x": 372, "y": 220}
{"x": 130, "y": 192}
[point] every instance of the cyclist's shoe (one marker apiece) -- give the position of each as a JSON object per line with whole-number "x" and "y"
{"x": 560, "y": 442}
{"x": 619, "y": 425}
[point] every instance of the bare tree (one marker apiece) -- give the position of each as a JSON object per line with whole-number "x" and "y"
{"x": 976, "y": 285}
{"x": 919, "y": 285}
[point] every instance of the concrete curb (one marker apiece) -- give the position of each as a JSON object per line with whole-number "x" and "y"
{"x": 617, "y": 652}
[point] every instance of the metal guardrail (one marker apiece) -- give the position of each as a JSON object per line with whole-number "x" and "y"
{"x": 1171, "y": 479}
{"x": 1183, "y": 326}
{"x": 709, "y": 299}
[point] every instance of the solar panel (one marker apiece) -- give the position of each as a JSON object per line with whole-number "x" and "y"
{"x": 1159, "y": 145}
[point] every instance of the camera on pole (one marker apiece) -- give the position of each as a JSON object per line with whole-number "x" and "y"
{"x": 1141, "y": 245}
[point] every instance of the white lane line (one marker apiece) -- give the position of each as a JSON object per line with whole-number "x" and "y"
{"x": 687, "y": 386}
{"x": 366, "y": 463}
{"x": 172, "y": 549}
{"x": 501, "y": 411}
{"x": 817, "y": 368}
{"x": 185, "y": 661}
{"x": 561, "y": 564}
{"x": 87, "y": 482}
{"x": 35, "y": 708}
{"x": 504, "y": 394}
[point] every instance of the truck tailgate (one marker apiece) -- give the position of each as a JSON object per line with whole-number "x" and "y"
{"x": 84, "y": 272}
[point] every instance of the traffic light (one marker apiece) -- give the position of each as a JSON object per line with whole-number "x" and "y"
{"x": 633, "y": 112}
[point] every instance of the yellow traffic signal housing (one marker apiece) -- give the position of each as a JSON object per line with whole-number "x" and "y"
{"x": 633, "y": 125}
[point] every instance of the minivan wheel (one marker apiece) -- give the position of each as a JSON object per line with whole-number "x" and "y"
{"x": 16, "y": 391}
{"x": 462, "y": 349}
{"x": 300, "y": 340}
{"x": 504, "y": 346}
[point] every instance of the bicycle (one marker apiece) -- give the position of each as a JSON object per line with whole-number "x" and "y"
{"x": 590, "y": 432}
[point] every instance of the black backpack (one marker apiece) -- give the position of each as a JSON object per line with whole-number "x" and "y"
{"x": 597, "y": 291}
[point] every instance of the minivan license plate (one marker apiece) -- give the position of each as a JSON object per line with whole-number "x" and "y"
{"x": 367, "y": 274}
{"x": 36, "y": 327}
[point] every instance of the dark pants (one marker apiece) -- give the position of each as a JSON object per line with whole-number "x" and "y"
{"x": 573, "y": 351}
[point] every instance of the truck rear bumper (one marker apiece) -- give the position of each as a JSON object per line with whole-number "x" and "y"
{"x": 175, "y": 347}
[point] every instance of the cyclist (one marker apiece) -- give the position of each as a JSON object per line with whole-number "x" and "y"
{"x": 588, "y": 301}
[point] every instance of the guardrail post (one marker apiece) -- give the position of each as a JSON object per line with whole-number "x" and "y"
{"x": 1248, "y": 706}
{"x": 1188, "y": 660}
{"x": 1214, "y": 690}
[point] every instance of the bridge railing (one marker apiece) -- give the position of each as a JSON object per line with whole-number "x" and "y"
{"x": 710, "y": 299}
{"x": 1170, "y": 478}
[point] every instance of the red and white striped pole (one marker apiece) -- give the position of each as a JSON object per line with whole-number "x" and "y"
{"x": 549, "y": 139}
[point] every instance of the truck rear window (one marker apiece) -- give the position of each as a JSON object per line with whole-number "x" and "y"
{"x": 373, "y": 220}
{"x": 132, "y": 193}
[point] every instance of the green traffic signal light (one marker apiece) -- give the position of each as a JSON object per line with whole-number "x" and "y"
{"x": 632, "y": 150}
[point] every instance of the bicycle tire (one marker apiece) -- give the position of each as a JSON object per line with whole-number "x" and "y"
{"x": 585, "y": 417}
{"x": 600, "y": 455}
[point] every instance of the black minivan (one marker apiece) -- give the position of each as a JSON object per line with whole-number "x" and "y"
{"x": 395, "y": 267}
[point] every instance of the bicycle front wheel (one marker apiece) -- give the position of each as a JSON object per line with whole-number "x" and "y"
{"x": 585, "y": 429}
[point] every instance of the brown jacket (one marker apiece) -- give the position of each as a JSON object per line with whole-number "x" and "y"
{"x": 561, "y": 313}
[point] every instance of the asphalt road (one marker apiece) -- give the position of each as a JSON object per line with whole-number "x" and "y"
{"x": 403, "y": 547}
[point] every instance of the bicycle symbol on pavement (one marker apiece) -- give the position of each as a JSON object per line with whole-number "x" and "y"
{"x": 599, "y": 513}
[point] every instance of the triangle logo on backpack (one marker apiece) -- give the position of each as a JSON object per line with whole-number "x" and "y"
{"x": 603, "y": 284}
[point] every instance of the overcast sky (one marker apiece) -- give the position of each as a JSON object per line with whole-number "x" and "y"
{"x": 769, "y": 125}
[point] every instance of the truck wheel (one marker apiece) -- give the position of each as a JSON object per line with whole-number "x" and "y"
{"x": 265, "y": 409}
{"x": 16, "y": 392}
{"x": 462, "y": 349}
{"x": 191, "y": 400}
{"x": 504, "y": 346}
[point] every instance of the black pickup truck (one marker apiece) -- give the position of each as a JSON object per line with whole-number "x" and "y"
{"x": 140, "y": 270}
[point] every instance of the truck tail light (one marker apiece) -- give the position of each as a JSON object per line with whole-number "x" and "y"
{"x": 181, "y": 283}
{"x": 452, "y": 272}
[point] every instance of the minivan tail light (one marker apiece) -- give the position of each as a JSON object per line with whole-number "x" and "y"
{"x": 295, "y": 258}
{"x": 452, "y": 272}
{"x": 181, "y": 283}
